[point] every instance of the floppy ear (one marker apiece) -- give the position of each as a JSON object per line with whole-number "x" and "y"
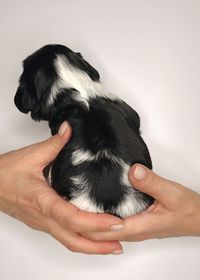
{"x": 77, "y": 60}
{"x": 43, "y": 84}
{"x": 24, "y": 100}
{"x": 43, "y": 81}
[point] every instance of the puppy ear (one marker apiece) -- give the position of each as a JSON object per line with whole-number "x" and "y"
{"x": 77, "y": 60}
{"x": 43, "y": 84}
{"x": 79, "y": 54}
{"x": 23, "y": 100}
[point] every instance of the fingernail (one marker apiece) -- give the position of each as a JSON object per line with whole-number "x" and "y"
{"x": 117, "y": 252}
{"x": 63, "y": 128}
{"x": 117, "y": 227}
{"x": 139, "y": 173}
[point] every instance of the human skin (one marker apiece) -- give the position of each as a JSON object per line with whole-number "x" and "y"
{"x": 26, "y": 196}
{"x": 176, "y": 211}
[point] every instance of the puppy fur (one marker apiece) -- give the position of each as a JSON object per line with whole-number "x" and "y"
{"x": 91, "y": 171}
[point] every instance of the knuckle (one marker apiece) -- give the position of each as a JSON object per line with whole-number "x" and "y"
{"x": 99, "y": 226}
{"x": 92, "y": 236}
{"x": 153, "y": 182}
{"x": 106, "y": 250}
{"x": 72, "y": 248}
{"x": 101, "y": 222}
{"x": 95, "y": 238}
{"x": 52, "y": 143}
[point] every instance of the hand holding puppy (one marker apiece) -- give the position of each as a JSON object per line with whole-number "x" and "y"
{"x": 176, "y": 211}
{"x": 25, "y": 195}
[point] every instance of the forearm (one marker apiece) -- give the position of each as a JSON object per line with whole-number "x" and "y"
{"x": 195, "y": 219}
{"x": 3, "y": 186}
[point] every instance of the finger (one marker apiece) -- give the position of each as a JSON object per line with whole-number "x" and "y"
{"x": 77, "y": 243}
{"x": 132, "y": 227}
{"x": 80, "y": 221}
{"x": 87, "y": 221}
{"x": 147, "y": 181}
{"x": 97, "y": 247}
{"x": 102, "y": 236}
{"x": 46, "y": 151}
{"x": 137, "y": 227}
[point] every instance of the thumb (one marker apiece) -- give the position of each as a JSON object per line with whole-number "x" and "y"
{"x": 46, "y": 151}
{"x": 149, "y": 182}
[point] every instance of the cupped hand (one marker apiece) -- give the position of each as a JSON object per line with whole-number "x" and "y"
{"x": 176, "y": 211}
{"x": 25, "y": 195}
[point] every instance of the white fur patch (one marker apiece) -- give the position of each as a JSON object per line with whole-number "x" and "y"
{"x": 72, "y": 77}
{"x": 81, "y": 155}
{"x": 124, "y": 174}
{"x": 80, "y": 181}
{"x": 131, "y": 205}
{"x": 82, "y": 200}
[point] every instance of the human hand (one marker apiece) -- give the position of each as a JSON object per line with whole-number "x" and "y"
{"x": 25, "y": 195}
{"x": 176, "y": 211}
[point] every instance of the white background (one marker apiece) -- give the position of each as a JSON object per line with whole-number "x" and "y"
{"x": 147, "y": 52}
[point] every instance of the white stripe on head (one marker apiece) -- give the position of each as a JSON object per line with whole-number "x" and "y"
{"x": 70, "y": 77}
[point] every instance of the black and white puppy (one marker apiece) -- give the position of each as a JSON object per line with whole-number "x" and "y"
{"x": 91, "y": 171}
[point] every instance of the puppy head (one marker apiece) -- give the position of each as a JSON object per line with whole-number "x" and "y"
{"x": 40, "y": 76}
